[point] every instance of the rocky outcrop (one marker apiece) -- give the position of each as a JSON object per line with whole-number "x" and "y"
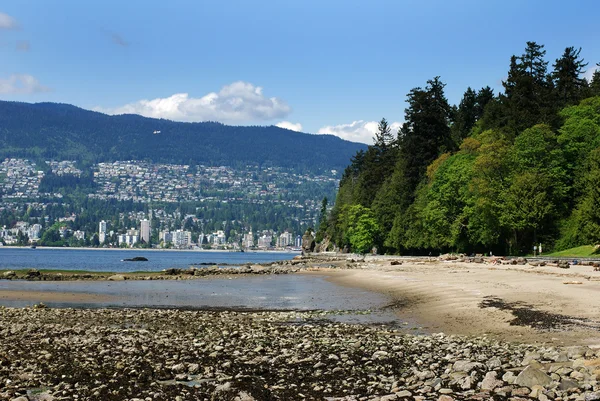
{"x": 136, "y": 259}
{"x": 308, "y": 242}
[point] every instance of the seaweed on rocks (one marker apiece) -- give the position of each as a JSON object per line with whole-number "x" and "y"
{"x": 527, "y": 315}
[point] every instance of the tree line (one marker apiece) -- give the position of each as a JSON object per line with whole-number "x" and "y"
{"x": 497, "y": 173}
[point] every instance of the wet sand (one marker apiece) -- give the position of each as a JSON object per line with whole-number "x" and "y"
{"x": 515, "y": 303}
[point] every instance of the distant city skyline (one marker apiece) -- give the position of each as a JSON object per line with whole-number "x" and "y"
{"x": 334, "y": 67}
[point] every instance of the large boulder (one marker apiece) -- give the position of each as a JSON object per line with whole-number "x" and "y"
{"x": 531, "y": 376}
{"x": 9, "y": 274}
{"x": 308, "y": 242}
{"x": 33, "y": 274}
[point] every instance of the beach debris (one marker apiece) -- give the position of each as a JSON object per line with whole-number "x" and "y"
{"x": 572, "y": 282}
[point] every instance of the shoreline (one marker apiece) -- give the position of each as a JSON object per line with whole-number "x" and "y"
{"x": 520, "y": 303}
{"x": 513, "y": 303}
{"x": 258, "y": 354}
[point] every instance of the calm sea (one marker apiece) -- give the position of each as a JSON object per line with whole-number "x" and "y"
{"x": 111, "y": 260}
{"x": 279, "y": 292}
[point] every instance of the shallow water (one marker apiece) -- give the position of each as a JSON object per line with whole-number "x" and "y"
{"x": 253, "y": 292}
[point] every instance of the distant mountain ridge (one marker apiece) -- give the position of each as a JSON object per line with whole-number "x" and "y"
{"x": 65, "y": 132}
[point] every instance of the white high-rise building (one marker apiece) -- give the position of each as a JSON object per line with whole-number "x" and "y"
{"x": 285, "y": 239}
{"x": 248, "y": 240}
{"x": 102, "y": 231}
{"x": 182, "y": 239}
{"x": 145, "y": 230}
{"x": 265, "y": 241}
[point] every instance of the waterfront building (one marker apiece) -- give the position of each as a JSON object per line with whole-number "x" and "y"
{"x": 145, "y": 230}
{"x": 248, "y": 240}
{"x": 182, "y": 239}
{"x": 34, "y": 232}
{"x": 102, "y": 231}
{"x": 285, "y": 239}
{"x": 265, "y": 241}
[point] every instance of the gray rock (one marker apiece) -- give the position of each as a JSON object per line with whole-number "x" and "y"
{"x": 566, "y": 384}
{"x": 531, "y": 376}
{"x": 509, "y": 377}
{"x": 403, "y": 394}
{"x": 244, "y": 396}
{"x": 116, "y": 277}
{"x": 490, "y": 381}
{"x": 466, "y": 366}
{"x": 494, "y": 363}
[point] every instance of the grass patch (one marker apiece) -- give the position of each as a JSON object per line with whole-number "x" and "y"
{"x": 579, "y": 252}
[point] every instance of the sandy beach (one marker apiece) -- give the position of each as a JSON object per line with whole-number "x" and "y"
{"x": 510, "y": 302}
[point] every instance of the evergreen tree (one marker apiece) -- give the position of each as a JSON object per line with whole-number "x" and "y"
{"x": 425, "y": 133}
{"x": 466, "y": 116}
{"x": 567, "y": 77}
{"x": 595, "y": 82}
{"x": 528, "y": 90}
{"x": 383, "y": 137}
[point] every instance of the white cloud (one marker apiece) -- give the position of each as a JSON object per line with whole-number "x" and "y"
{"x": 21, "y": 84}
{"x": 590, "y": 72}
{"x": 237, "y": 102}
{"x": 7, "y": 22}
{"x": 357, "y": 131}
{"x": 291, "y": 126}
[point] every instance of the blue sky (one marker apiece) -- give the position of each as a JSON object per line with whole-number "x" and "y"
{"x": 319, "y": 66}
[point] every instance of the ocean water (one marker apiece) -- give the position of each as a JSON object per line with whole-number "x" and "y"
{"x": 111, "y": 260}
{"x": 264, "y": 292}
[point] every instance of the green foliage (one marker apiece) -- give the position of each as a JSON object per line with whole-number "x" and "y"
{"x": 493, "y": 174}
{"x": 576, "y": 252}
{"x": 363, "y": 231}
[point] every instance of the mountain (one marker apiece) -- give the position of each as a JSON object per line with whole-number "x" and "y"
{"x": 65, "y": 132}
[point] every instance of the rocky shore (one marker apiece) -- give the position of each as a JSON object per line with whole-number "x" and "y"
{"x": 280, "y": 267}
{"x": 65, "y": 354}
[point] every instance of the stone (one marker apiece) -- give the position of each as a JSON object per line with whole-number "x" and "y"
{"x": 466, "y": 366}
{"x": 193, "y": 368}
{"x": 445, "y": 397}
{"x": 116, "y": 277}
{"x": 490, "y": 381}
{"x": 379, "y": 355}
{"x": 566, "y": 384}
{"x": 9, "y": 274}
{"x": 244, "y": 396}
{"x": 531, "y": 376}
{"x": 308, "y": 242}
{"x": 509, "y": 377}
{"x": 563, "y": 264}
{"x": 494, "y": 363}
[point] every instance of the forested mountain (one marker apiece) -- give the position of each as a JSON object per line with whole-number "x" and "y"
{"x": 65, "y": 132}
{"x": 497, "y": 173}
